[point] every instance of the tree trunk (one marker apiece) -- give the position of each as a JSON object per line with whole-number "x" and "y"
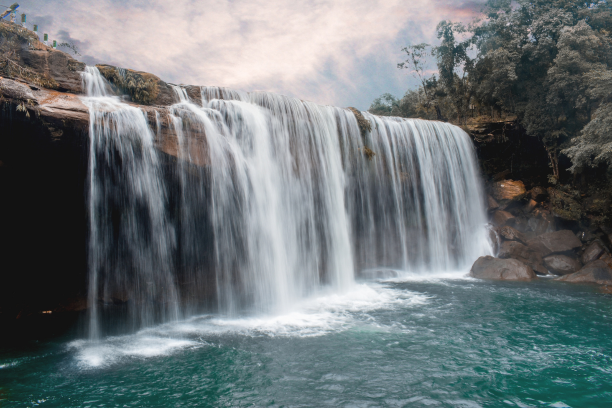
{"x": 439, "y": 113}
{"x": 553, "y": 156}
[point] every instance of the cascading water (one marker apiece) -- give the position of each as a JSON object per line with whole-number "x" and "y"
{"x": 268, "y": 199}
{"x": 131, "y": 240}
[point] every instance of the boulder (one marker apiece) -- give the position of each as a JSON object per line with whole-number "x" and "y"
{"x": 586, "y": 236}
{"x": 488, "y": 267}
{"x": 520, "y": 223}
{"x": 607, "y": 258}
{"x": 530, "y": 206}
{"x": 524, "y": 254}
{"x": 508, "y": 190}
{"x": 492, "y": 205}
{"x": 554, "y": 242}
{"x": 512, "y": 234}
{"x": 541, "y": 221}
{"x": 562, "y": 264}
{"x": 538, "y": 193}
{"x": 595, "y": 272}
{"x": 592, "y": 252}
{"x": 501, "y": 218}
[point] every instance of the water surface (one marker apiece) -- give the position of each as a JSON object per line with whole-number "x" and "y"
{"x": 407, "y": 342}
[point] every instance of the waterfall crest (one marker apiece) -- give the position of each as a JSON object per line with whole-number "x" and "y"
{"x": 266, "y": 200}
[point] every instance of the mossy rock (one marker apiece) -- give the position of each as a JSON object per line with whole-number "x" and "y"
{"x": 364, "y": 125}
{"x": 367, "y": 152}
{"x": 142, "y": 87}
{"x": 564, "y": 205}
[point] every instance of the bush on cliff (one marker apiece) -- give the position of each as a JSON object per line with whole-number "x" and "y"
{"x": 141, "y": 87}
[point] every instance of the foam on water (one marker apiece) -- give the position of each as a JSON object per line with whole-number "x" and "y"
{"x": 320, "y": 315}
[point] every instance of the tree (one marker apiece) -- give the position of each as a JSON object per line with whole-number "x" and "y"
{"x": 384, "y": 105}
{"x": 417, "y": 61}
{"x": 454, "y": 65}
{"x": 533, "y": 61}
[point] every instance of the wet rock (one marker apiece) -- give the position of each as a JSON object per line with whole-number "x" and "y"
{"x": 487, "y": 267}
{"x": 586, "y": 236}
{"x": 520, "y": 223}
{"x": 554, "y": 242}
{"x": 595, "y": 272}
{"x": 512, "y": 234}
{"x": 531, "y": 205}
{"x": 541, "y": 222}
{"x": 592, "y": 252}
{"x": 607, "y": 258}
{"x": 501, "y": 218}
{"x": 492, "y": 204}
{"x": 508, "y": 190}
{"x": 561, "y": 264}
{"x": 524, "y": 254}
{"x": 494, "y": 238}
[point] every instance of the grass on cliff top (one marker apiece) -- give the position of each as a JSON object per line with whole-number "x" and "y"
{"x": 13, "y": 38}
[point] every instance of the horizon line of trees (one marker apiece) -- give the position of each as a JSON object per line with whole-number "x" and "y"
{"x": 546, "y": 62}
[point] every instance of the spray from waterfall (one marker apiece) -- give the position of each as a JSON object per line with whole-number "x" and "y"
{"x": 265, "y": 199}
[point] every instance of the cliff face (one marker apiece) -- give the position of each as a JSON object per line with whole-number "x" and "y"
{"x": 44, "y": 150}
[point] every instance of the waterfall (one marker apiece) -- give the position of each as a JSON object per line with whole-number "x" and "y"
{"x": 265, "y": 199}
{"x": 131, "y": 239}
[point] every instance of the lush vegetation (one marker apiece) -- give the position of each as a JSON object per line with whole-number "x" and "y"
{"x": 545, "y": 62}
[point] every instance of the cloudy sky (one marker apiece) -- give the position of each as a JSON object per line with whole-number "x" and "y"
{"x": 337, "y": 52}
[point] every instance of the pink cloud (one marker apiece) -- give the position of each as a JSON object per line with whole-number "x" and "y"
{"x": 314, "y": 49}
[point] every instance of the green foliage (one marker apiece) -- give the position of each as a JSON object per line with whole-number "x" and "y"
{"x": 140, "y": 88}
{"x": 385, "y": 105}
{"x": 546, "y": 62}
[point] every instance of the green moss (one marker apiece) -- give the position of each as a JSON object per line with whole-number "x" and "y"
{"x": 141, "y": 87}
{"x": 563, "y": 205}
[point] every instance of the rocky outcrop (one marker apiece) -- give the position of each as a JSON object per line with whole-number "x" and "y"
{"x": 512, "y": 234}
{"x": 524, "y": 254}
{"x": 508, "y": 190}
{"x": 597, "y": 272}
{"x": 488, "y": 267}
{"x": 555, "y": 242}
{"x": 501, "y": 218}
{"x": 24, "y": 57}
{"x": 592, "y": 252}
{"x": 561, "y": 264}
{"x": 492, "y": 205}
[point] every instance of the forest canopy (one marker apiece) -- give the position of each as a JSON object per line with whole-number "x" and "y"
{"x": 545, "y": 62}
